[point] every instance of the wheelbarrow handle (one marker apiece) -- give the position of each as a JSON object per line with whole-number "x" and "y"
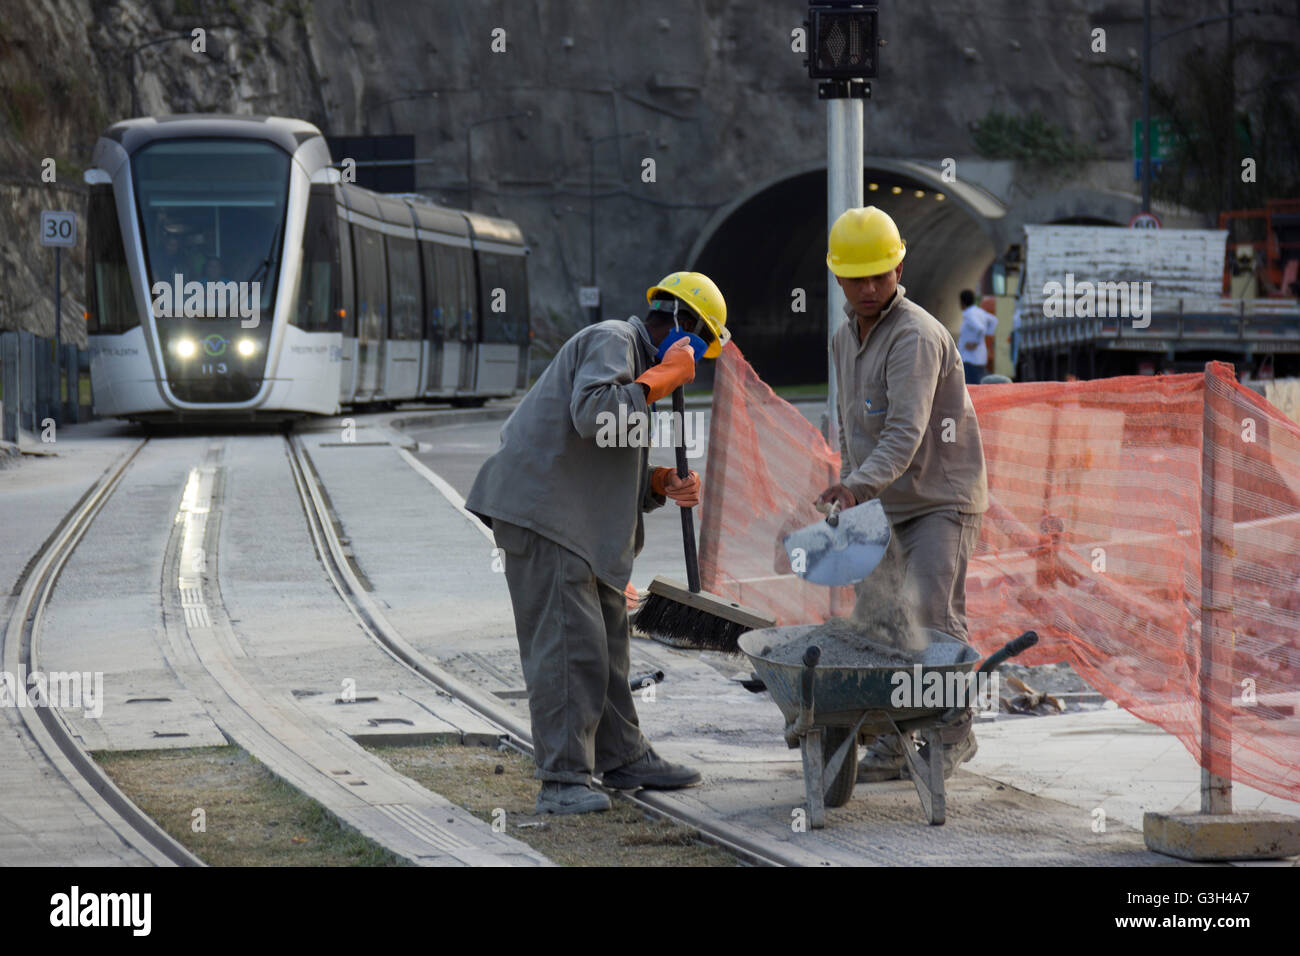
{"x": 1022, "y": 643}
{"x": 806, "y": 703}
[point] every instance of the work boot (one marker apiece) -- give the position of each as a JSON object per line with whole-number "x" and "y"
{"x": 882, "y": 760}
{"x": 559, "y": 797}
{"x": 953, "y": 754}
{"x": 651, "y": 772}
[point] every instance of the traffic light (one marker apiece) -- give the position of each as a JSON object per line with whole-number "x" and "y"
{"x": 843, "y": 40}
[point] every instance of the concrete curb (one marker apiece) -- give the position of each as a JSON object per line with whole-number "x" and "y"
{"x": 451, "y": 416}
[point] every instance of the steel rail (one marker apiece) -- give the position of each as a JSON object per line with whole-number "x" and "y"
{"x": 21, "y": 654}
{"x": 321, "y": 523}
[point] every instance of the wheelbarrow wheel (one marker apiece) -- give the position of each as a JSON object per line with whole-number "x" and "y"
{"x": 841, "y": 788}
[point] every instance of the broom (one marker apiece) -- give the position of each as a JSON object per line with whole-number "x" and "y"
{"x": 687, "y": 617}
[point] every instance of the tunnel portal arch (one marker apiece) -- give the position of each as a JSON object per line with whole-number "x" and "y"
{"x": 767, "y": 252}
{"x": 770, "y": 242}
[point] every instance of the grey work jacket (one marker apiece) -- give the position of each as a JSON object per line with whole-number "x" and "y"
{"x": 551, "y": 474}
{"x": 908, "y": 432}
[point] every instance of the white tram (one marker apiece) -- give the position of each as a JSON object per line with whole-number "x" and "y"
{"x": 230, "y": 275}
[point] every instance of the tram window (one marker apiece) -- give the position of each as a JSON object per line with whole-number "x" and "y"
{"x": 469, "y": 299}
{"x": 108, "y": 281}
{"x": 455, "y": 291}
{"x": 514, "y": 279}
{"x": 433, "y": 304}
{"x": 213, "y": 209}
{"x": 403, "y": 288}
{"x": 504, "y": 297}
{"x": 496, "y": 304}
{"x": 317, "y": 309}
{"x": 372, "y": 292}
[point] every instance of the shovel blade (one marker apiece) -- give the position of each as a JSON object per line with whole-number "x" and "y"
{"x": 844, "y": 553}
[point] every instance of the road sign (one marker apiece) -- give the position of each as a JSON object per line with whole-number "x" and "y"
{"x": 589, "y": 296}
{"x": 1163, "y": 140}
{"x": 58, "y": 228}
{"x": 1144, "y": 220}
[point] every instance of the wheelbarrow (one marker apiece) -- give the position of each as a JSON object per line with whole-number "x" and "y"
{"x": 826, "y": 708}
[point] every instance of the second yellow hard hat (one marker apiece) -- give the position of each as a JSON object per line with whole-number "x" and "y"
{"x": 864, "y": 242}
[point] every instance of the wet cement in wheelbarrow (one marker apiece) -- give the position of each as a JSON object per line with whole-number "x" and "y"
{"x": 844, "y": 643}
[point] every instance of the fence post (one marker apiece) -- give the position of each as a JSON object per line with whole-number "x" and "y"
{"x": 1217, "y": 620}
{"x": 1216, "y": 832}
{"x": 12, "y": 385}
{"x": 27, "y": 381}
{"x": 70, "y": 366}
{"x": 46, "y": 384}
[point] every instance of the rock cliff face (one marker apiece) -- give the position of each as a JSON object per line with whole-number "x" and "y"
{"x": 693, "y": 103}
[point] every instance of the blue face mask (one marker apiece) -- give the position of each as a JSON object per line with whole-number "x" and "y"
{"x": 697, "y": 343}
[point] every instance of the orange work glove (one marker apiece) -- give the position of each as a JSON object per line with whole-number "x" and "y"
{"x": 676, "y": 368}
{"x": 684, "y": 491}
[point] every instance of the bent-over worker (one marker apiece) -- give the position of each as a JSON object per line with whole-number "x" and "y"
{"x": 909, "y": 437}
{"x": 565, "y": 504}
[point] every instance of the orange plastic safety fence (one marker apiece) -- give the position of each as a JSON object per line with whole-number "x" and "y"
{"x": 1125, "y": 515}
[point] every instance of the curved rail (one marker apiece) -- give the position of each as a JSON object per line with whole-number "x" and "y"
{"x": 21, "y": 654}
{"x": 371, "y": 619}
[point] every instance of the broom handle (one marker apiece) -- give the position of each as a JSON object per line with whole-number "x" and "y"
{"x": 683, "y": 471}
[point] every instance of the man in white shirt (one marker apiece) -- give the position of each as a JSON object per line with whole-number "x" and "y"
{"x": 977, "y": 326}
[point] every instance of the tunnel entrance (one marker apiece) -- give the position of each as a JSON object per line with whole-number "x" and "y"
{"x": 773, "y": 244}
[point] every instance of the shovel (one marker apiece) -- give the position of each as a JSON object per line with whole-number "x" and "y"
{"x": 842, "y": 549}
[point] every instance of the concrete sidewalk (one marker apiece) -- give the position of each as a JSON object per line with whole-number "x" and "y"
{"x": 1105, "y": 759}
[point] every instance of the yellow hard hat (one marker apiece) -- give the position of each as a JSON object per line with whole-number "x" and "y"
{"x": 705, "y": 299}
{"x": 864, "y": 242}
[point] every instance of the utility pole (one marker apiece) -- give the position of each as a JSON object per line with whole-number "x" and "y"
{"x": 1146, "y": 105}
{"x": 843, "y": 40}
{"x": 844, "y": 148}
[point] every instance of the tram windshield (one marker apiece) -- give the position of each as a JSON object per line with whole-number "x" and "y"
{"x": 213, "y": 211}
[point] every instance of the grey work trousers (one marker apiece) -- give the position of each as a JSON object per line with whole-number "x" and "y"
{"x": 928, "y": 556}
{"x": 575, "y": 647}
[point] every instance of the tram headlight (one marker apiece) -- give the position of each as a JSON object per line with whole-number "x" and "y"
{"x": 185, "y": 348}
{"x": 246, "y": 347}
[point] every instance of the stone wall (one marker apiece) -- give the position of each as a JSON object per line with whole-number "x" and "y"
{"x": 708, "y": 90}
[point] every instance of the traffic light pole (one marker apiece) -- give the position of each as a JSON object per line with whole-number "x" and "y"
{"x": 844, "y": 150}
{"x": 843, "y": 39}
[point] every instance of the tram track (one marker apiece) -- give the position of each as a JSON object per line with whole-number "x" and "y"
{"x": 21, "y": 655}
{"x": 204, "y": 650}
{"x": 324, "y": 526}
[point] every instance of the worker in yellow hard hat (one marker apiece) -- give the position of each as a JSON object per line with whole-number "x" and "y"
{"x": 564, "y": 496}
{"x": 909, "y": 437}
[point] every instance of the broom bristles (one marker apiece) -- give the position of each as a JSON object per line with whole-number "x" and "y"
{"x": 672, "y": 622}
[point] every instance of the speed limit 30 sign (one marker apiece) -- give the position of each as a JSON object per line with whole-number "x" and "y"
{"x": 58, "y": 228}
